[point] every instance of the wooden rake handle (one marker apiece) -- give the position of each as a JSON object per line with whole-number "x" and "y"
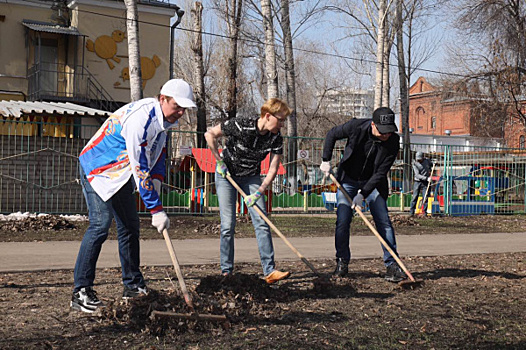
{"x": 371, "y": 227}
{"x": 278, "y": 232}
{"x": 177, "y": 268}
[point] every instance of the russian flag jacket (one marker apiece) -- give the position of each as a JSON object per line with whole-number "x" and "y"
{"x": 132, "y": 141}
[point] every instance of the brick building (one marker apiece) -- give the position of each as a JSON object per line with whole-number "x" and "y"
{"x": 433, "y": 111}
{"x": 432, "y": 114}
{"x": 515, "y": 130}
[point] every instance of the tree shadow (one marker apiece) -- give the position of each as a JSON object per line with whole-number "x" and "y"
{"x": 465, "y": 273}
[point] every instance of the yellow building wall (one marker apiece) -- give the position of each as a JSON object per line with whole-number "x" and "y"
{"x": 106, "y": 24}
{"x": 93, "y": 21}
{"x": 13, "y": 54}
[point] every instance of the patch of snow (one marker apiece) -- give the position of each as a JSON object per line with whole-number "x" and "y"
{"x": 21, "y": 216}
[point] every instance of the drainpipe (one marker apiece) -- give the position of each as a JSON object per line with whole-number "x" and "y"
{"x": 179, "y": 14}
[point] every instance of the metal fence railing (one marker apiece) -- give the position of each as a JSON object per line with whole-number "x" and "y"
{"x": 39, "y": 172}
{"x": 60, "y": 82}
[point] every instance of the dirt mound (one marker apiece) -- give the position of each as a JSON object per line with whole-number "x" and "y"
{"x": 242, "y": 298}
{"x": 45, "y": 222}
{"x": 136, "y": 314}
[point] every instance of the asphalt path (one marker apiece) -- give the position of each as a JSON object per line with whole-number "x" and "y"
{"x": 35, "y": 256}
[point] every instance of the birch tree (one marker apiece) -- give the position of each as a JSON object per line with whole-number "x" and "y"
{"x": 380, "y": 62}
{"x": 271, "y": 71}
{"x": 134, "y": 55}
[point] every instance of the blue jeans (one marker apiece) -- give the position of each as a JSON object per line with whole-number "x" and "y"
{"x": 122, "y": 207}
{"x": 344, "y": 213}
{"x": 227, "y": 196}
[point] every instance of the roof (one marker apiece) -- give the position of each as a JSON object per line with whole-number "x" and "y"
{"x": 18, "y": 109}
{"x": 50, "y": 28}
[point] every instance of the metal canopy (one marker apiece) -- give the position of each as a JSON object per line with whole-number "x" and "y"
{"x": 50, "y": 28}
{"x": 18, "y": 109}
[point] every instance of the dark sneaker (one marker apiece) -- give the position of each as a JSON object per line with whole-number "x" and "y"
{"x": 86, "y": 300}
{"x": 342, "y": 268}
{"x": 395, "y": 274}
{"x": 134, "y": 292}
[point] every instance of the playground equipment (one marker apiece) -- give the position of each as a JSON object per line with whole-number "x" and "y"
{"x": 467, "y": 195}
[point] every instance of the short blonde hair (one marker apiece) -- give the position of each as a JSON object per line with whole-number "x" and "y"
{"x": 274, "y": 106}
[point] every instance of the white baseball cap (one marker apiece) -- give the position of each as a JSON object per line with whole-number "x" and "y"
{"x": 180, "y": 91}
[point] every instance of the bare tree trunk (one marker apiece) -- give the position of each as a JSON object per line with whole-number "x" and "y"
{"x": 199, "y": 79}
{"x": 380, "y": 41}
{"x": 386, "y": 84}
{"x": 290, "y": 74}
{"x": 270, "y": 50}
{"x": 234, "y": 22}
{"x": 134, "y": 54}
{"x": 404, "y": 101}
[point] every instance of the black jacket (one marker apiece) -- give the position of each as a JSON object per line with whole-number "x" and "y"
{"x": 356, "y": 131}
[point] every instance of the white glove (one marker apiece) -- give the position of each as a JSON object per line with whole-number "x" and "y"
{"x": 429, "y": 179}
{"x": 160, "y": 221}
{"x": 157, "y": 186}
{"x": 325, "y": 167}
{"x": 357, "y": 201}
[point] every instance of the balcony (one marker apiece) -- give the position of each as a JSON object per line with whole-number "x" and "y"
{"x": 64, "y": 83}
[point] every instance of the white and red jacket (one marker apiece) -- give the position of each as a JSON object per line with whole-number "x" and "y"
{"x": 132, "y": 141}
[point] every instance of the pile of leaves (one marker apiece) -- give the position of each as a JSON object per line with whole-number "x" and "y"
{"x": 244, "y": 299}
{"x": 44, "y": 222}
{"x": 403, "y": 220}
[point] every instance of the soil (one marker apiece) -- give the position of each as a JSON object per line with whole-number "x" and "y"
{"x": 466, "y": 301}
{"x": 55, "y": 228}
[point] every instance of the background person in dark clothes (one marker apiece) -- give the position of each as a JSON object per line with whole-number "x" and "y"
{"x": 371, "y": 149}
{"x": 422, "y": 177}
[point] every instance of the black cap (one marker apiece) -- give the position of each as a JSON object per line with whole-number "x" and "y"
{"x": 384, "y": 119}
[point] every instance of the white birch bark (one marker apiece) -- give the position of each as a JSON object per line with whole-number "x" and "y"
{"x": 134, "y": 55}
{"x": 270, "y": 50}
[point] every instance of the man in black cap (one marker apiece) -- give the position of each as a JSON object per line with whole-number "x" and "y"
{"x": 371, "y": 149}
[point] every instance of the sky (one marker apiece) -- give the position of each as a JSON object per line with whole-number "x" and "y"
{"x": 325, "y": 33}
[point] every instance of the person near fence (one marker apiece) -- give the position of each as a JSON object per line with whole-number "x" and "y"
{"x": 247, "y": 143}
{"x": 422, "y": 178}
{"x": 128, "y": 151}
{"x": 371, "y": 149}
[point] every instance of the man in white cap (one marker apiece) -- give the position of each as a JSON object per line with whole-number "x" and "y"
{"x": 422, "y": 177}
{"x": 127, "y": 152}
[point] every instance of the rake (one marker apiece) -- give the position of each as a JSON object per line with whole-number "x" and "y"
{"x": 278, "y": 232}
{"x": 406, "y": 283}
{"x": 188, "y": 299}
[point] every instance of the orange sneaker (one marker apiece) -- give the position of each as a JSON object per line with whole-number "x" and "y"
{"x": 275, "y": 276}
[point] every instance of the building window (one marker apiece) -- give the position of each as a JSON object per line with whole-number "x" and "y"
{"x": 433, "y": 122}
{"x": 420, "y": 118}
{"x": 521, "y": 142}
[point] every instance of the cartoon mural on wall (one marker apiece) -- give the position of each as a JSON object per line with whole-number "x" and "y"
{"x": 106, "y": 46}
{"x": 148, "y": 67}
